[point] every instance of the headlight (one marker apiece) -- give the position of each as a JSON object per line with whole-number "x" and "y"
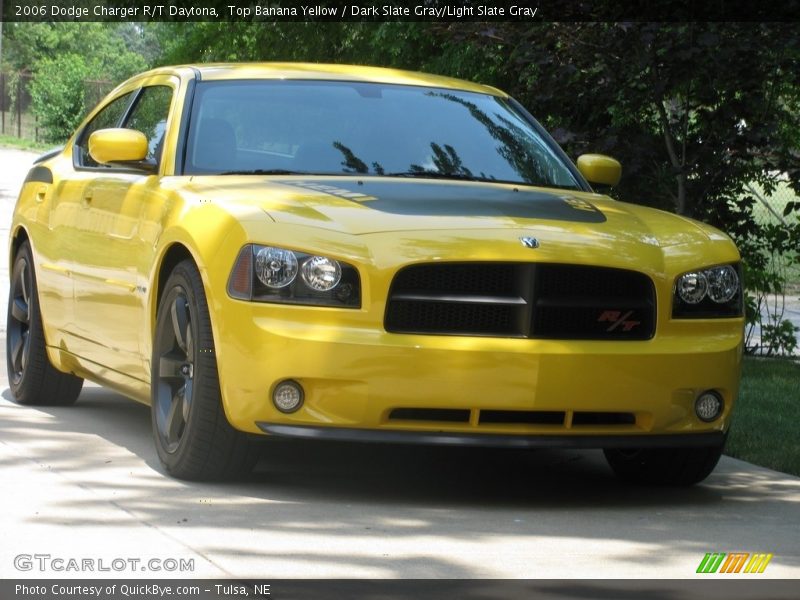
{"x": 708, "y": 293}
{"x": 723, "y": 284}
{"x": 321, "y": 273}
{"x": 276, "y": 268}
{"x": 692, "y": 287}
{"x": 269, "y": 274}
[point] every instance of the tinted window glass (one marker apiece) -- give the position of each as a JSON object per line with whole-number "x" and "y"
{"x": 149, "y": 116}
{"x": 110, "y": 116}
{"x": 371, "y": 129}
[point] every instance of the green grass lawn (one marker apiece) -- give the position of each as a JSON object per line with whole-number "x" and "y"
{"x": 766, "y": 420}
{"x": 8, "y": 141}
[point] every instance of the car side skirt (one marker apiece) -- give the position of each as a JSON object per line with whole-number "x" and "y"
{"x": 344, "y": 434}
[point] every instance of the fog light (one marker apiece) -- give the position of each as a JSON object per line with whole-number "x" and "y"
{"x": 708, "y": 406}
{"x": 287, "y": 396}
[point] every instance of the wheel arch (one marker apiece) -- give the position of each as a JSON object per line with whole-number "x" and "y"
{"x": 18, "y": 237}
{"x": 173, "y": 254}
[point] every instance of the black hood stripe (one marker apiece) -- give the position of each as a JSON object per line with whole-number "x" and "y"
{"x": 457, "y": 200}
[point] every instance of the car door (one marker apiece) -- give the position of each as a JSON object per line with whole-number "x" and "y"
{"x": 110, "y": 273}
{"x": 61, "y": 250}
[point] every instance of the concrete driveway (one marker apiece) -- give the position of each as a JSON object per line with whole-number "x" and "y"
{"x": 85, "y": 483}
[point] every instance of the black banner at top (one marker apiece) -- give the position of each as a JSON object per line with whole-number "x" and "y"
{"x": 399, "y": 10}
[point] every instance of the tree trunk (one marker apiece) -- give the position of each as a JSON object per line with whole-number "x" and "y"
{"x": 677, "y": 163}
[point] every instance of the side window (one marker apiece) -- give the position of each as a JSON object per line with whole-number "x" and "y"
{"x": 149, "y": 116}
{"x": 110, "y": 116}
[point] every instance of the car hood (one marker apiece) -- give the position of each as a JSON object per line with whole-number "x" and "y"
{"x": 370, "y": 205}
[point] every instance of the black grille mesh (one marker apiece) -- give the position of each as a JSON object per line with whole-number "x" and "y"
{"x": 439, "y": 317}
{"x": 522, "y": 300}
{"x": 467, "y": 278}
{"x": 588, "y": 282}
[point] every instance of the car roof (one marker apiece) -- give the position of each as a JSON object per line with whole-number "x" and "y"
{"x": 327, "y": 72}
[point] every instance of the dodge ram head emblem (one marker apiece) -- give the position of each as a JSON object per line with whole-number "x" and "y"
{"x": 529, "y": 242}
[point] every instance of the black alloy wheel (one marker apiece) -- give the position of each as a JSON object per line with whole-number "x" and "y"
{"x": 176, "y": 358}
{"x": 31, "y": 376}
{"x": 193, "y": 437}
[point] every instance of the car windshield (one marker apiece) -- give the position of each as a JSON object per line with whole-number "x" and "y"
{"x": 352, "y": 128}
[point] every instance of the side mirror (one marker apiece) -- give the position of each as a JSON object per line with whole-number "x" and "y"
{"x": 122, "y": 147}
{"x": 600, "y": 169}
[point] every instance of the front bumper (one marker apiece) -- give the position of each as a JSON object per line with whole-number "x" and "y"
{"x": 356, "y": 377}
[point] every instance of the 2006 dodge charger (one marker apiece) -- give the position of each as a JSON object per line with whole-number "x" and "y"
{"x": 355, "y": 253}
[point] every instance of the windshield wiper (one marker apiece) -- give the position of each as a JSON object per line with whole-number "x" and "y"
{"x": 439, "y": 175}
{"x": 266, "y": 172}
{"x": 464, "y": 177}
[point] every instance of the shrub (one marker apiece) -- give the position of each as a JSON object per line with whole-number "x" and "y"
{"x": 58, "y": 95}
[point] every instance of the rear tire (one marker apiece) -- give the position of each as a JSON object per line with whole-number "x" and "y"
{"x": 664, "y": 466}
{"x": 32, "y": 378}
{"x": 192, "y": 435}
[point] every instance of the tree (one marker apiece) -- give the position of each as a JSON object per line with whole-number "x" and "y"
{"x": 695, "y": 111}
{"x": 58, "y": 95}
{"x": 61, "y": 57}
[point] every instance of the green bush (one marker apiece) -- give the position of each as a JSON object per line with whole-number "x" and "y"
{"x": 58, "y": 95}
{"x": 768, "y": 254}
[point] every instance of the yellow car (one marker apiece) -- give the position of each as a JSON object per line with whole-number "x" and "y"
{"x": 354, "y": 253}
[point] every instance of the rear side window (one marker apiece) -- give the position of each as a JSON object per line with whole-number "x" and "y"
{"x": 110, "y": 116}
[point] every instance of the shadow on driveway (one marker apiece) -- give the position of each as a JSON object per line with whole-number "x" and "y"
{"x": 385, "y": 493}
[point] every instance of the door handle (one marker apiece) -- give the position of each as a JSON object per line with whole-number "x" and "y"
{"x": 40, "y": 194}
{"x": 87, "y": 199}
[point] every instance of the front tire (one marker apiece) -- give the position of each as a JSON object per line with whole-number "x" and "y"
{"x": 32, "y": 378}
{"x": 192, "y": 435}
{"x": 664, "y": 466}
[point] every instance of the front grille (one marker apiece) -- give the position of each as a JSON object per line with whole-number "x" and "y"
{"x": 549, "y": 301}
